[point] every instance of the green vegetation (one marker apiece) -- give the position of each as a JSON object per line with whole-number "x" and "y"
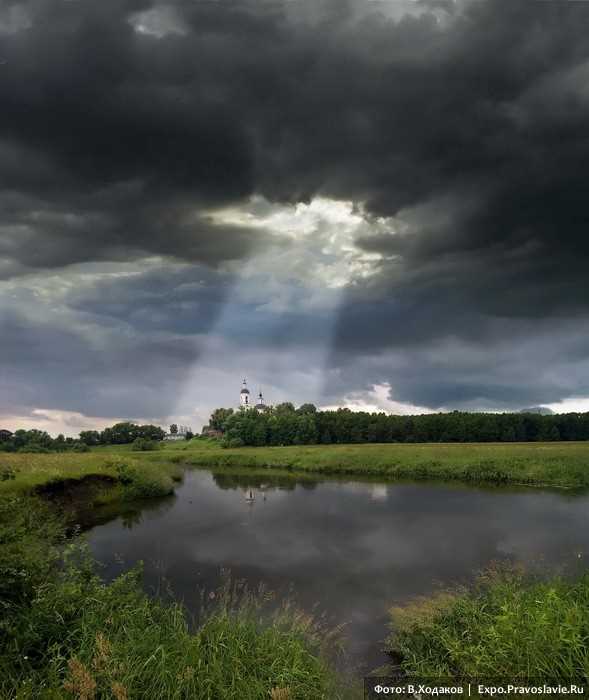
{"x": 133, "y": 473}
{"x": 285, "y": 425}
{"x": 506, "y": 627}
{"x": 541, "y": 464}
{"x": 38, "y": 441}
{"x": 41, "y": 442}
{"x": 115, "y": 477}
{"x": 66, "y": 634}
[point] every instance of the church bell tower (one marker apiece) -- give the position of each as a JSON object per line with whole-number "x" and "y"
{"x": 244, "y": 396}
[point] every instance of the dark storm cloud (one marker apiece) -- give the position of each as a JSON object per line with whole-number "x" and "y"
{"x": 108, "y": 373}
{"x": 134, "y": 132}
{"x": 123, "y": 123}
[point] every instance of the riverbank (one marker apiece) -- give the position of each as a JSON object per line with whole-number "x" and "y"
{"x": 146, "y": 474}
{"x": 99, "y": 478}
{"x": 114, "y": 630}
{"x": 550, "y": 464}
{"x": 65, "y": 633}
{"x": 508, "y": 627}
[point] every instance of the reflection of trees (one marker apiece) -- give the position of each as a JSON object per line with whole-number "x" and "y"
{"x": 131, "y": 518}
{"x": 131, "y": 514}
{"x": 264, "y": 481}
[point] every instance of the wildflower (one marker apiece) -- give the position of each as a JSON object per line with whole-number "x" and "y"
{"x": 119, "y": 691}
{"x": 82, "y": 684}
{"x": 104, "y": 649}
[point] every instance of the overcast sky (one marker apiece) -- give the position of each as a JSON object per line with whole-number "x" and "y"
{"x": 377, "y": 204}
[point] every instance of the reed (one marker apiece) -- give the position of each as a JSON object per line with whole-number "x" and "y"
{"x": 68, "y": 634}
{"x": 509, "y": 626}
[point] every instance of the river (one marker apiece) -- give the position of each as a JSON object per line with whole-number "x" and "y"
{"x": 348, "y": 549}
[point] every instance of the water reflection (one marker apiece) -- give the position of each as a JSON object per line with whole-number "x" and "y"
{"x": 351, "y": 548}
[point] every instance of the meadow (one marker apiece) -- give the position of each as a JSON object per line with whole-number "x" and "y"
{"x": 544, "y": 464}
{"x": 97, "y": 478}
{"x": 550, "y": 464}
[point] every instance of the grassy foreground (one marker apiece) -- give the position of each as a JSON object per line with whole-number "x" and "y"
{"x": 507, "y": 627}
{"x": 562, "y": 464}
{"x": 66, "y": 634}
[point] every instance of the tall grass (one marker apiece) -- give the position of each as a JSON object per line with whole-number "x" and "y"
{"x": 67, "y": 634}
{"x": 80, "y": 633}
{"x": 563, "y": 464}
{"x": 507, "y": 627}
{"x": 542, "y": 464}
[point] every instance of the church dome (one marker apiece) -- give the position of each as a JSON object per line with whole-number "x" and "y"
{"x": 245, "y": 390}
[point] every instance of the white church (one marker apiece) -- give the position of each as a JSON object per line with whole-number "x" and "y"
{"x": 246, "y": 402}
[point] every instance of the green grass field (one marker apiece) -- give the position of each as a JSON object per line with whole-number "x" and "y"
{"x": 113, "y": 477}
{"x": 552, "y": 464}
{"x": 506, "y": 627}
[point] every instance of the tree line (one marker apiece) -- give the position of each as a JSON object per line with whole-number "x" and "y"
{"x": 143, "y": 436}
{"x": 285, "y": 425}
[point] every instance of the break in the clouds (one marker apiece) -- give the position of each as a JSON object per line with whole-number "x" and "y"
{"x": 365, "y": 203}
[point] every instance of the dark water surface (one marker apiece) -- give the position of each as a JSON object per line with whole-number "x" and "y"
{"x": 352, "y": 548}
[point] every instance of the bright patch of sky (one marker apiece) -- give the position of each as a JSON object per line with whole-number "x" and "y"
{"x": 377, "y": 400}
{"x": 68, "y": 423}
{"x": 315, "y": 242}
{"x": 13, "y": 18}
{"x": 572, "y": 405}
{"x": 299, "y": 277}
{"x": 158, "y": 22}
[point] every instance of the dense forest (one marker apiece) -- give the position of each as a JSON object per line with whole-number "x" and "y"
{"x": 285, "y": 425}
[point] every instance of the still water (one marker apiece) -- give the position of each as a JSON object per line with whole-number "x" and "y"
{"x": 351, "y": 548}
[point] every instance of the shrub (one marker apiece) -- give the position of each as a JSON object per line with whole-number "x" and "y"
{"x": 29, "y": 533}
{"x": 147, "y": 482}
{"x": 144, "y": 444}
{"x": 7, "y": 473}
{"x": 79, "y": 447}
{"x": 229, "y": 442}
{"x": 35, "y": 449}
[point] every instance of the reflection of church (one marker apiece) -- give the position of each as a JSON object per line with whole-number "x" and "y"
{"x": 246, "y": 402}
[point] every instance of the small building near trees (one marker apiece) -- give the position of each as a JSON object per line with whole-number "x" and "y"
{"x": 5, "y": 435}
{"x": 177, "y": 433}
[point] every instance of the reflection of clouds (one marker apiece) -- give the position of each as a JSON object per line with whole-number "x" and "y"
{"x": 353, "y": 548}
{"x": 379, "y": 493}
